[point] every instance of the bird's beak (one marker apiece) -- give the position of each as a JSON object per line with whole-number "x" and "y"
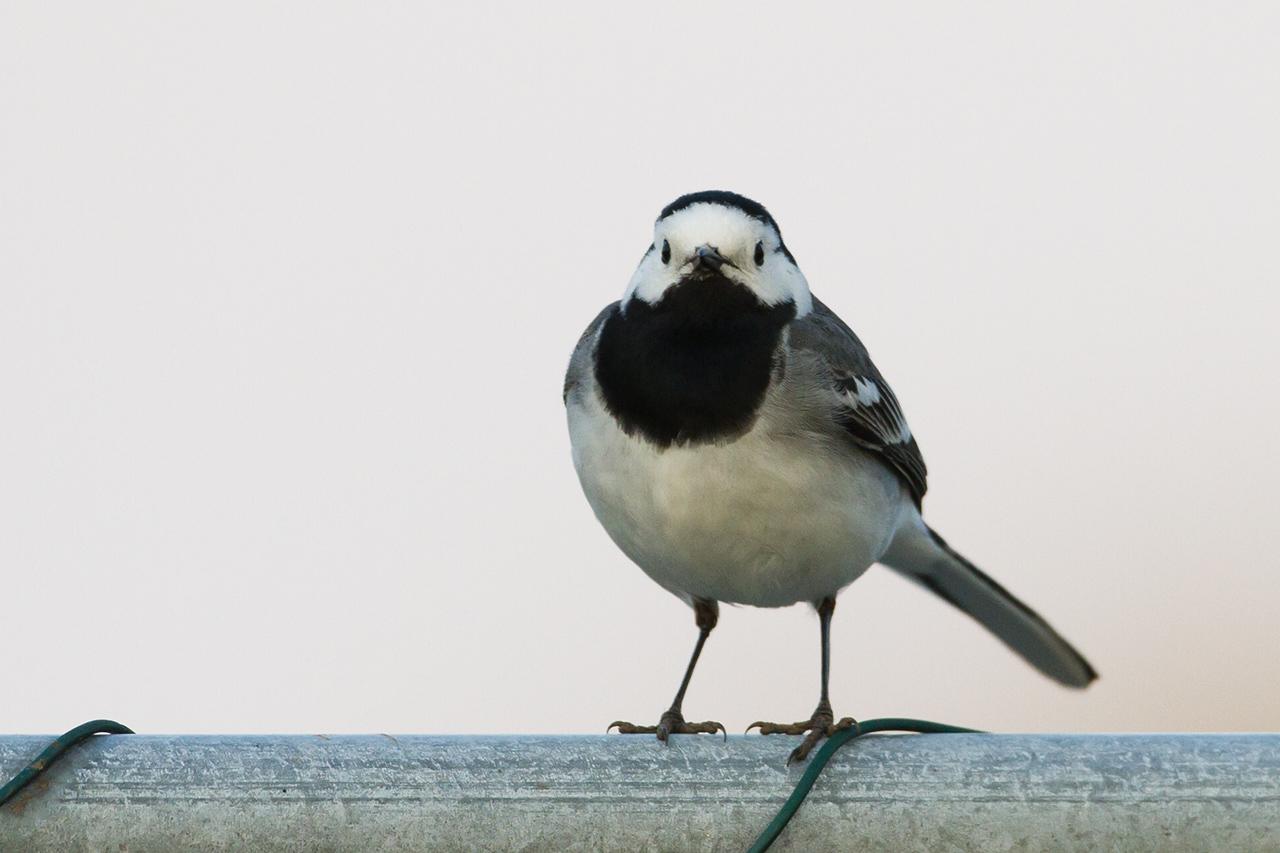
{"x": 709, "y": 257}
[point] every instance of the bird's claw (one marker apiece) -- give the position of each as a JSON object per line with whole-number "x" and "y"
{"x": 625, "y": 728}
{"x": 671, "y": 723}
{"x": 779, "y": 728}
{"x": 814, "y": 729}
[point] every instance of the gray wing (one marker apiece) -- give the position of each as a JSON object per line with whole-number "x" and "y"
{"x": 579, "y": 373}
{"x": 864, "y": 404}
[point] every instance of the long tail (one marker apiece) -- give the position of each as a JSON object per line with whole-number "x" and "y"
{"x": 923, "y": 556}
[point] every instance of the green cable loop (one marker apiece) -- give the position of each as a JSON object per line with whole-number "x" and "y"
{"x": 54, "y": 750}
{"x": 819, "y": 761}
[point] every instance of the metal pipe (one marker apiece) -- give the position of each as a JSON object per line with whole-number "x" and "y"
{"x": 536, "y": 792}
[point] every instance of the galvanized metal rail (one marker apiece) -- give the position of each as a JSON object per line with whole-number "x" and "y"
{"x": 954, "y": 792}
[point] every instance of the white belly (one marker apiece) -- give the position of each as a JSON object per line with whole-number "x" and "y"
{"x": 766, "y": 520}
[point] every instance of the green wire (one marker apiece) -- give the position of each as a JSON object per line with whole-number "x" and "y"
{"x": 819, "y": 761}
{"x": 56, "y": 749}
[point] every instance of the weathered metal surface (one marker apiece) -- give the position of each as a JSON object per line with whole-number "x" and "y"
{"x": 531, "y": 793}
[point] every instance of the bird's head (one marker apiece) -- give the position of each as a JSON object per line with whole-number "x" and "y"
{"x": 722, "y": 238}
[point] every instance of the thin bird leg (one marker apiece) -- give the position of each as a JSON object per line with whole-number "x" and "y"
{"x": 706, "y": 614}
{"x": 822, "y": 723}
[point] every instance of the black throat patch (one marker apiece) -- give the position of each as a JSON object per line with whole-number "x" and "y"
{"x": 695, "y": 367}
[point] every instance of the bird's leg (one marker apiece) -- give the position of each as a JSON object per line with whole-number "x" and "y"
{"x": 672, "y": 722}
{"x": 822, "y": 723}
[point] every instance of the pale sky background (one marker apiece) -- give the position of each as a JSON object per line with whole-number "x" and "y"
{"x": 287, "y": 292}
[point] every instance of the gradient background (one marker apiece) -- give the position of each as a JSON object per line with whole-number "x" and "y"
{"x": 287, "y": 291}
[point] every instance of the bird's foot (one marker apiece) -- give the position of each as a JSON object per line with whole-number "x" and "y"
{"x": 670, "y": 723}
{"x": 821, "y": 724}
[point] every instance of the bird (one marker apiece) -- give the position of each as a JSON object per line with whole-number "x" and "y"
{"x": 735, "y": 440}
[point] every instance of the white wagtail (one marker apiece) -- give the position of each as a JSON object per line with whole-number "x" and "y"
{"x": 737, "y": 443}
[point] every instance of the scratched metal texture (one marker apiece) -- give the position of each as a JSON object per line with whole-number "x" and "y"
{"x": 554, "y": 793}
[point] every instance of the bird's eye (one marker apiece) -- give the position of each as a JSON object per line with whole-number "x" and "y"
{"x": 760, "y": 254}
{"x": 666, "y": 251}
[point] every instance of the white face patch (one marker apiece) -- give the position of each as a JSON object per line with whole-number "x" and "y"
{"x": 735, "y": 235}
